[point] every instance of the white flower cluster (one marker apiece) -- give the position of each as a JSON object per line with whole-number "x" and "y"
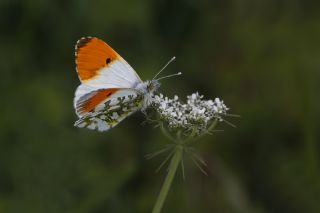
{"x": 196, "y": 114}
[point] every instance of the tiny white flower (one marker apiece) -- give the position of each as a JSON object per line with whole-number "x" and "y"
{"x": 193, "y": 96}
{"x": 174, "y": 114}
{"x": 215, "y": 109}
{"x": 195, "y": 114}
{"x": 163, "y": 105}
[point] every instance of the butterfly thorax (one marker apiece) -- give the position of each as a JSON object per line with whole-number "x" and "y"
{"x": 147, "y": 89}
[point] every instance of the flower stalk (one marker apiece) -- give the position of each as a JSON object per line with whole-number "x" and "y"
{"x": 174, "y": 164}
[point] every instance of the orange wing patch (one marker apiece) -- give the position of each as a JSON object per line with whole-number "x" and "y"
{"x": 94, "y": 100}
{"x": 92, "y": 54}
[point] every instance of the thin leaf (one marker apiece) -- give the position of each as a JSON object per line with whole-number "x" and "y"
{"x": 182, "y": 169}
{"x": 156, "y": 153}
{"x": 193, "y": 152}
{"x": 232, "y": 115}
{"x": 198, "y": 165}
{"x": 229, "y": 123}
{"x": 200, "y": 159}
{"x": 165, "y": 161}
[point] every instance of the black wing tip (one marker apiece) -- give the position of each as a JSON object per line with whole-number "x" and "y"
{"x": 83, "y": 41}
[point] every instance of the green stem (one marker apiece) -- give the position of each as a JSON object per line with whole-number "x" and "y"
{"x": 167, "y": 182}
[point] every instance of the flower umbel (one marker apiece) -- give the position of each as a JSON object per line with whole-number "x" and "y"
{"x": 195, "y": 116}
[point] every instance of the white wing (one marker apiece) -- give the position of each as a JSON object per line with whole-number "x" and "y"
{"x": 110, "y": 111}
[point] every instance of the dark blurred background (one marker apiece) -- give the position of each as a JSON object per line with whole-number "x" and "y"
{"x": 261, "y": 57}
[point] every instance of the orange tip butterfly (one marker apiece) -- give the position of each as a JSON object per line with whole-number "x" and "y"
{"x": 110, "y": 89}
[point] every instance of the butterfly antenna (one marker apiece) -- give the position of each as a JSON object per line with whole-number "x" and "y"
{"x": 168, "y": 76}
{"x": 171, "y": 60}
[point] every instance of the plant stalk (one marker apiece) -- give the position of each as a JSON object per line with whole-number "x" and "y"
{"x": 175, "y": 161}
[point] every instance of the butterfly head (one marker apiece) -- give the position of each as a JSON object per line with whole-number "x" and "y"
{"x": 148, "y": 87}
{"x": 152, "y": 86}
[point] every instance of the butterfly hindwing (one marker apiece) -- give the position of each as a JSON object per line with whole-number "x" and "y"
{"x": 92, "y": 100}
{"x": 110, "y": 111}
{"x": 102, "y": 122}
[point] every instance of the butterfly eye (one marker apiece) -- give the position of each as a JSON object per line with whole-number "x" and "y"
{"x": 108, "y": 60}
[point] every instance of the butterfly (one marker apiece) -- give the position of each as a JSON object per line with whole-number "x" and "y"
{"x": 110, "y": 89}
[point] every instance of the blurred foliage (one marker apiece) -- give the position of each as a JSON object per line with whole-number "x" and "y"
{"x": 261, "y": 57}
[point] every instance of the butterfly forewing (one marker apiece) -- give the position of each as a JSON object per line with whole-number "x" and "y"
{"x": 99, "y": 66}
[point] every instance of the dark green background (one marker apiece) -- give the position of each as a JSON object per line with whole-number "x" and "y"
{"x": 261, "y": 57}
